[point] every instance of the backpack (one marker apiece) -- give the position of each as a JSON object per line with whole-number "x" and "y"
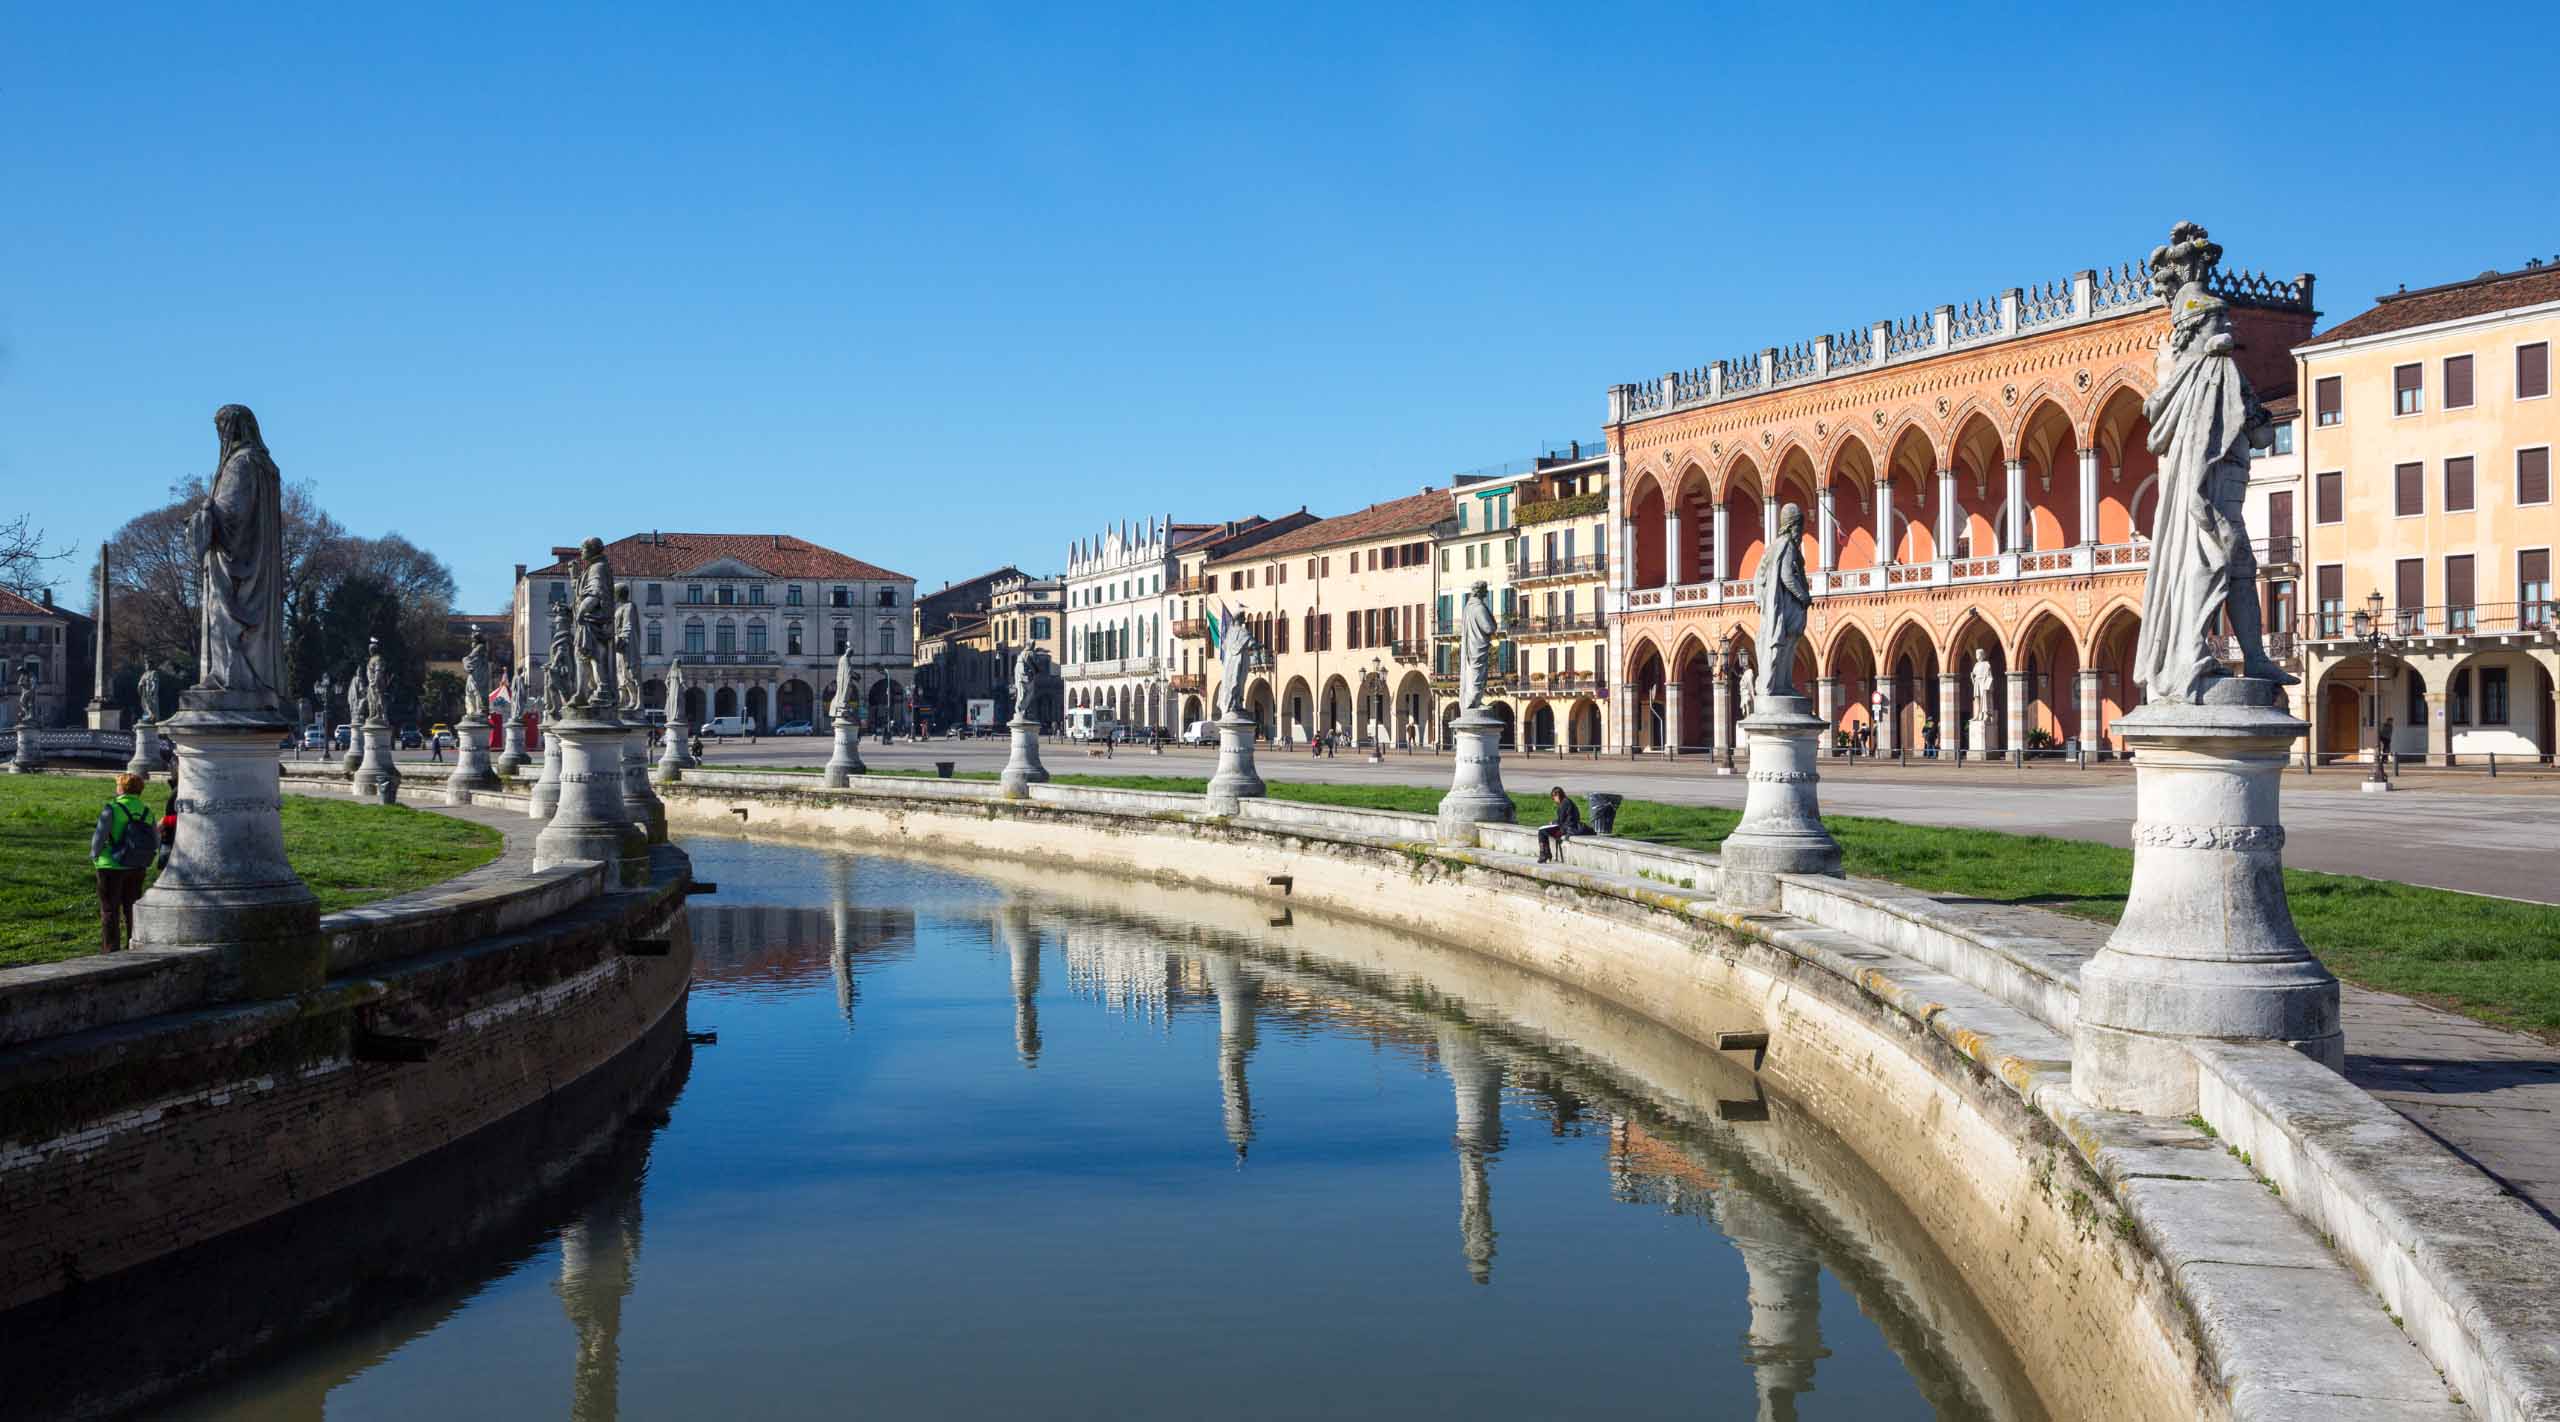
{"x": 137, "y": 841}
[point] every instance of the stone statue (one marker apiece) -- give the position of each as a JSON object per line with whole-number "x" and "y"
{"x": 1026, "y": 681}
{"x": 626, "y": 648}
{"x": 1236, "y": 651}
{"x": 27, "y": 692}
{"x": 2204, "y": 419}
{"x": 355, "y": 696}
{"x": 1784, "y": 597}
{"x": 846, "y": 706}
{"x": 559, "y": 672}
{"x": 1981, "y": 684}
{"x": 148, "y": 692}
{"x": 475, "y": 678}
{"x": 594, "y": 624}
{"x": 1476, "y": 629}
{"x": 675, "y": 694}
{"x": 237, "y": 538}
{"x": 377, "y": 683}
{"x": 1747, "y": 692}
{"x": 519, "y": 686}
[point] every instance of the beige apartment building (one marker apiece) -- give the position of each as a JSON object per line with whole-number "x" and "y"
{"x": 1188, "y": 604}
{"x": 1342, "y": 604}
{"x": 1556, "y": 681}
{"x": 2427, "y": 450}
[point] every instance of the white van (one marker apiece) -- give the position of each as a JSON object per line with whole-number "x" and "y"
{"x": 721, "y": 727}
{"x": 1200, "y": 733}
{"x": 1092, "y": 723}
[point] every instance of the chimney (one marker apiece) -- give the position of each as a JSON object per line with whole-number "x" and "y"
{"x": 48, "y": 597}
{"x": 519, "y": 572}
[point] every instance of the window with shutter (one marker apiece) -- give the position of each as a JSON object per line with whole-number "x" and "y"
{"x": 2533, "y": 475}
{"x": 2457, "y": 382}
{"x": 2408, "y": 389}
{"x": 2280, "y": 547}
{"x": 2459, "y": 614}
{"x": 2330, "y": 587}
{"x": 2457, "y": 484}
{"x": 2533, "y": 587}
{"x": 2533, "y": 370}
{"x": 2329, "y": 498}
{"x": 2408, "y": 490}
{"x": 2410, "y": 582}
{"x": 2327, "y": 402}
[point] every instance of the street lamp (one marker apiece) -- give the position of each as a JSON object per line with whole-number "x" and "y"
{"x": 2368, "y": 625}
{"x": 1875, "y": 720}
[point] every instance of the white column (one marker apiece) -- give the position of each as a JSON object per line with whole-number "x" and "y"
{"x": 1826, "y": 691}
{"x": 1671, "y": 716}
{"x": 1724, "y": 544}
{"x": 1884, "y": 521}
{"x": 1949, "y": 698}
{"x": 1768, "y": 523}
{"x": 1670, "y": 543}
{"x": 1721, "y": 685}
{"x": 1946, "y": 519}
{"x": 2088, "y": 496}
{"x": 2017, "y": 505}
{"x": 2013, "y": 727}
{"x": 2089, "y": 740}
{"x": 1830, "y": 535}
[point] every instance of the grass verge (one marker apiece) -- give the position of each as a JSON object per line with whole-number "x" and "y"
{"x": 348, "y": 853}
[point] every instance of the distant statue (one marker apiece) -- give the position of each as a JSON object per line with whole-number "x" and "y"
{"x": 2204, "y": 420}
{"x": 377, "y": 683}
{"x": 559, "y": 671}
{"x": 1026, "y": 681}
{"x": 675, "y": 694}
{"x": 597, "y": 685}
{"x": 27, "y": 692}
{"x": 848, "y": 687}
{"x": 237, "y": 538}
{"x": 148, "y": 693}
{"x": 1784, "y": 596}
{"x": 1476, "y": 629}
{"x": 355, "y": 696}
{"x": 626, "y": 647}
{"x": 475, "y": 678}
{"x": 1747, "y": 692}
{"x": 519, "y": 686}
{"x": 1236, "y": 651}
{"x": 1981, "y": 684}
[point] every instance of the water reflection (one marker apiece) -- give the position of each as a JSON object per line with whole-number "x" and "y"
{"x": 1007, "y": 1163}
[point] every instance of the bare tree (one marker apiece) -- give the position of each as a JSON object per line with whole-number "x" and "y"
{"x": 24, "y": 555}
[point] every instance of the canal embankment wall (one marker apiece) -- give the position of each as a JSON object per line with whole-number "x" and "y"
{"x": 145, "y": 1106}
{"x": 2271, "y": 1258}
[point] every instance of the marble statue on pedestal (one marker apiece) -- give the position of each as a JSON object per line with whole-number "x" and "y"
{"x": 848, "y": 703}
{"x": 237, "y": 537}
{"x": 475, "y": 679}
{"x": 2204, "y": 421}
{"x": 675, "y": 695}
{"x": 2206, "y": 950}
{"x": 1235, "y": 780}
{"x": 626, "y": 650}
{"x": 1236, "y": 650}
{"x": 27, "y": 692}
{"x": 559, "y": 672}
{"x": 593, "y": 623}
{"x": 1784, "y": 596}
{"x": 1476, "y": 629}
{"x": 148, "y": 692}
{"x": 1022, "y": 767}
{"x": 1982, "y": 684}
{"x": 1027, "y": 668}
{"x": 377, "y": 684}
{"x": 1747, "y": 688}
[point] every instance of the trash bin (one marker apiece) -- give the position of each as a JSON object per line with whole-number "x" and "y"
{"x": 1604, "y": 811}
{"x": 943, "y": 768}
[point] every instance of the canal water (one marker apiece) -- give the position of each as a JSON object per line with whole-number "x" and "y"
{"x": 983, "y": 1141}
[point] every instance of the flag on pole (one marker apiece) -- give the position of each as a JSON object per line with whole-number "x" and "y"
{"x": 1218, "y": 631}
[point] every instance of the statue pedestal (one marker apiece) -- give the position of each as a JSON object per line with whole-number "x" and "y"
{"x": 676, "y": 756}
{"x": 146, "y": 748}
{"x": 511, "y": 756}
{"x": 1476, "y": 796}
{"x": 377, "y": 773}
{"x": 647, "y": 810}
{"x": 2206, "y": 949}
{"x": 1236, "y": 778}
{"x": 545, "y": 800}
{"x": 1781, "y": 830}
{"x": 355, "y": 750}
{"x": 106, "y": 717}
{"x": 1022, "y": 768}
{"x": 470, "y": 763}
{"x": 1981, "y": 739}
{"x": 847, "y": 761}
{"x": 228, "y": 884}
{"x": 592, "y": 821}
{"x": 22, "y": 756}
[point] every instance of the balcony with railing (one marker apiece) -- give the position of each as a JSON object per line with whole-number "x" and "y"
{"x": 730, "y": 659}
{"x": 1192, "y": 682}
{"x": 2520, "y": 622}
{"x": 1114, "y": 666}
{"x": 1410, "y": 651}
{"x": 1579, "y": 683}
{"x": 1193, "y": 628}
{"x": 1579, "y": 624}
{"x": 1588, "y": 565}
{"x": 2077, "y": 561}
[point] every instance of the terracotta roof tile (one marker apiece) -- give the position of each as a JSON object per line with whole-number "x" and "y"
{"x": 1414, "y": 513}
{"x": 12, "y": 605}
{"x": 2487, "y": 292}
{"x": 671, "y": 555}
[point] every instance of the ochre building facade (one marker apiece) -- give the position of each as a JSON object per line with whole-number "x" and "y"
{"x": 1974, "y": 480}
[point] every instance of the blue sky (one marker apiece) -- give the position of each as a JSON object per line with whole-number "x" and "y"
{"x": 946, "y": 286}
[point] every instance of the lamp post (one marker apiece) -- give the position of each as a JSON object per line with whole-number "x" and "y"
{"x": 1876, "y": 708}
{"x": 2368, "y": 625}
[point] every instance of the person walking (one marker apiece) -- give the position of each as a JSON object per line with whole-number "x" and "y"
{"x": 120, "y": 848}
{"x": 435, "y": 748}
{"x": 1566, "y": 823}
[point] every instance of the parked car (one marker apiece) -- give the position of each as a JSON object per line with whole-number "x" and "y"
{"x": 313, "y": 738}
{"x": 446, "y": 739}
{"x": 344, "y": 738}
{"x": 409, "y": 738}
{"x": 1200, "y": 733}
{"x": 795, "y": 728}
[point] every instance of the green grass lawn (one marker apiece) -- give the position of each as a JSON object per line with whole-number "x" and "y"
{"x": 347, "y": 852}
{"x": 2492, "y": 959}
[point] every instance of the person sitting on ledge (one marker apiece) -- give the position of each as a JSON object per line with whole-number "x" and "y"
{"x": 1567, "y": 822}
